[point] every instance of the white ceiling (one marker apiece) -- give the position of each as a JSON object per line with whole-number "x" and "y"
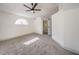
{"x": 47, "y": 9}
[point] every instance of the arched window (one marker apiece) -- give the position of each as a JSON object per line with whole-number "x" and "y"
{"x": 21, "y": 22}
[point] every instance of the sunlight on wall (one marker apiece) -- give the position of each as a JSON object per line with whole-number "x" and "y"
{"x": 31, "y": 41}
{"x": 21, "y": 22}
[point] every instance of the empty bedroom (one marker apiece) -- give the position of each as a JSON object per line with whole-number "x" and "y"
{"x": 39, "y": 28}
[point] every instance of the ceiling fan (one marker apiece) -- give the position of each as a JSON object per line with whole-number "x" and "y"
{"x": 32, "y": 8}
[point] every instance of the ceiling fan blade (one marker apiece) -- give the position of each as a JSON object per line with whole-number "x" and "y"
{"x": 37, "y": 9}
{"x": 34, "y": 6}
{"x": 27, "y": 6}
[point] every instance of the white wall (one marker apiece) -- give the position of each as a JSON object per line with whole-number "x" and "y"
{"x": 66, "y": 27}
{"x": 9, "y": 30}
{"x": 58, "y": 27}
{"x": 71, "y": 26}
{"x": 38, "y": 25}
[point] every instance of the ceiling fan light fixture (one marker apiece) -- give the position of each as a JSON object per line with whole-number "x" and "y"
{"x": 31, "y": 11}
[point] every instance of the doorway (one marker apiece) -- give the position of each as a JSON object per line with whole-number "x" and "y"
{"x": 45, "y": 27}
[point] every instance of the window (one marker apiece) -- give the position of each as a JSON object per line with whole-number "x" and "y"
{"x": 21, "y": 22}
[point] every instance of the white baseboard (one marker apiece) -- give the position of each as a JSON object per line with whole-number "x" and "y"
{"x": 67, "y": 48}
{"x": 14, "y": 37}
{"x": 57, "y": 41}
{"x": 70, "y": 49}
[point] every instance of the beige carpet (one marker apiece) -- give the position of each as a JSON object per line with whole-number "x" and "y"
{"x": 32, "y": 44}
